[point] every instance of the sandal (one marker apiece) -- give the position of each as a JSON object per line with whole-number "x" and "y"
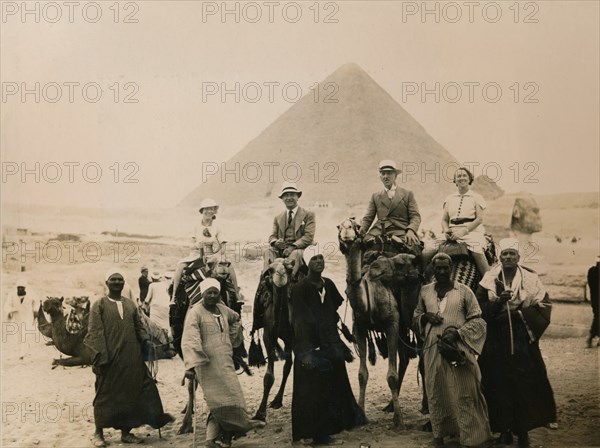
{"x": 131, "y": 438}
{"x": 98, "y": 441}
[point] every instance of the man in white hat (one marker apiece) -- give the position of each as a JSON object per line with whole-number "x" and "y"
{"x": 517, "y": 310}
{"x": 126, "y": 396}
{"x": 293, "y": 229}
{"x": 19, "y": 309}
{"x": 395, "y": 208}
{"x": 211, "y": 332}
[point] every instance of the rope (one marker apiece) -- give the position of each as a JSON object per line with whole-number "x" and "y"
{"x": 510, "y": 327}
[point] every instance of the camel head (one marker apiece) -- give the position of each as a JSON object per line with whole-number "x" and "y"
{"x": 78, "y": 303}
{"x": 280, "y": 271}
{"x": 348, "y": 232}
{"x": 406, "y": 268}
{"x": 53, "y": 306}
{"x": 382, "y": 269}
{"x": 221, "y": 272}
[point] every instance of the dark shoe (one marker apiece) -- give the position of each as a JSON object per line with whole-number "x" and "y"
{"x": 523, "y": 440}
{"x": 506, "y": 438}
{"x": 130, "y": 438}
{"x": 326, "y": 441}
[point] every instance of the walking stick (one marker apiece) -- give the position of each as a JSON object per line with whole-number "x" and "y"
{"x": 195, "y": 411}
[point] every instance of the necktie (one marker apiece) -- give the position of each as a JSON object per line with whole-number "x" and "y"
{"x": 290, "y": 216}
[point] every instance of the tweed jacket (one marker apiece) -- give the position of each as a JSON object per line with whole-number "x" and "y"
{"x": 396, "y": 215}
{"x": 304, "y": 226}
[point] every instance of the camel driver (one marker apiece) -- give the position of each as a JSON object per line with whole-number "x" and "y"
{"x": 293, "y": 230}
{"x": 396, "y": 210}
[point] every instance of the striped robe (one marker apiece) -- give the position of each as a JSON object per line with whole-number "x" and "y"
{"x": 456, "y": 403}
{"x": 207, "y": 347}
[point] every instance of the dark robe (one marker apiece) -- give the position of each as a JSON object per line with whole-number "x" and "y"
{"x": 323, "y": 402}
{"x": 592, "y": 278}
{"x": 516, "y": 387}
{"x": 126, "y": 395}
{"x": 144, "y": 284}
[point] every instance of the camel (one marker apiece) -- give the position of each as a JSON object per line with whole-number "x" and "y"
{"x": 272, "y": 312}
{"x": 44, "y": 326}
{"x": 68, "y": 343}
{"x": 383, "y": 299}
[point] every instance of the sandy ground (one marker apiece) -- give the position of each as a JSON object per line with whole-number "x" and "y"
{"x": 52, "y": 408}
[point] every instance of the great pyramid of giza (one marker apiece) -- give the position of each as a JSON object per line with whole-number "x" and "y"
{"x": 336, "y": 146}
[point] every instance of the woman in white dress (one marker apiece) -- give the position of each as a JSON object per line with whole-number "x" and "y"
{"x": 462, "y": 221}
{"x": 207, "y": 242}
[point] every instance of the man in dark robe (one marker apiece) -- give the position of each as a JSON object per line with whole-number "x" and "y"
{"x": 592, "y": 278}
{"x": 516, "y": 308}
{"x": 322, "y": 401}
{"x": 144, "y": 284}
{"x": 126, "y": 395}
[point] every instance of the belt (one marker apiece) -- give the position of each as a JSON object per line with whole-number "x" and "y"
{"x": 459, "y": 221}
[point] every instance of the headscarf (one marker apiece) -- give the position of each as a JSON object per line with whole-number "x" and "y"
{"x": 509, "y": 243}
{"x": 205, "y": 285}
{"x": 113, "y": 271}
{"x": 527, "y": 288}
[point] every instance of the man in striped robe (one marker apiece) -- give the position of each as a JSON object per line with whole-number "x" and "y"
{"x": 449, "y": 311}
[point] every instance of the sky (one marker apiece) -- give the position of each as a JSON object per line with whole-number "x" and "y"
{"x": 110, "y": 104}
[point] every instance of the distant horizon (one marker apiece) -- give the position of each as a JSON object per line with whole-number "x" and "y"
{"x": 275, "y": 202}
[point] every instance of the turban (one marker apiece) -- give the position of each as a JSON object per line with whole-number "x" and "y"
{"x": 309, "y": 252}
{"x": 22, "y": 282}
{"x": 509, "y": 243}
{"x": 209, "y": 283}
{"x": 113, "y": 271}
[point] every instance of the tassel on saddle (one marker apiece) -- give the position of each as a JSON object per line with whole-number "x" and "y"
{"x": 371, "y": 349}
{"x": 347, "y": 334}
{"x": 256, "y": 357}
{"x": 381, "y": 341}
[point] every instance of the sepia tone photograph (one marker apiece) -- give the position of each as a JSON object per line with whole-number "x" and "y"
{"x": 300, "y": 223}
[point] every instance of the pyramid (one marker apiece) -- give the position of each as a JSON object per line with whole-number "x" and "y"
{"x": 337, "y": 146}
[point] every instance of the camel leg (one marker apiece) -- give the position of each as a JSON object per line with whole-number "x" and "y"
{"x": 392, "y": 374}
{"x": 71, "y": 361}
{"x": 363, "y": 371}
{"x": 287, "y": 367}
{"x": 187, "y": 425}
{"x": 268, "y": 380}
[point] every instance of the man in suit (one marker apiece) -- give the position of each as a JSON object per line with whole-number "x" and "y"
{"x": 396, "y": 211}
{"x": 293, "y": 229}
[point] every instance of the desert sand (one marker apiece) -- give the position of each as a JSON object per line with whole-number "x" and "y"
{"x": 48, "y": 407}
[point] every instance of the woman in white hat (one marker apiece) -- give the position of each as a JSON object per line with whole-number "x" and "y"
{"x": 207, "y": 242}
